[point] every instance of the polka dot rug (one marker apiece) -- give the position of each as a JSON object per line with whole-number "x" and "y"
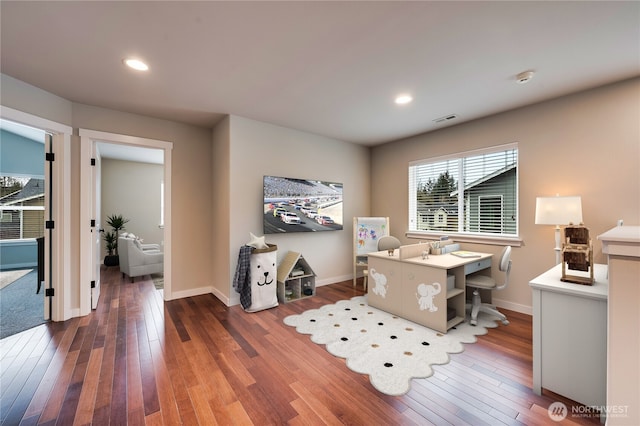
{"x": 387, "y": 348}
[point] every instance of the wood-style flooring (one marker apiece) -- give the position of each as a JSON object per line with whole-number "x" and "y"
{"x": 138, "y": 360}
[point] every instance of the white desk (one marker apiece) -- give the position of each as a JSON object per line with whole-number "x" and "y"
{"x": 416, "y": 289}
{"x": 570, "y": 336}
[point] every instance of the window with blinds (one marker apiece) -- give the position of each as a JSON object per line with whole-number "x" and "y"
{"x": 21, "y": 208}
{"x": 469, "y": 193}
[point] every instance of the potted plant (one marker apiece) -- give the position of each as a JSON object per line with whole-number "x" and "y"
{"x": 117, "y": 224}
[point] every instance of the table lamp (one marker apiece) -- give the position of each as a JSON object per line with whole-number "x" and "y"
{"x": 558, "y": 211}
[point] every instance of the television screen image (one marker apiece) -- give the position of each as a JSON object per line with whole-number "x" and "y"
{"x": 301, "y": 205}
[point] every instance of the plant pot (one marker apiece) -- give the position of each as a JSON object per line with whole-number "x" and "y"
{"x": 112, "y": 260}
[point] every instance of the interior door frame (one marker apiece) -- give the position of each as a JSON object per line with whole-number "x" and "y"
{"x": 60, "y": 182}
{"x": 88, "y": 139}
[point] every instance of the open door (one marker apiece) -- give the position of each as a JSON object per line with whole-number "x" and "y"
{"x": 96, "y": 231}
{"x": 90, "y": 235}
{"x": 45, "y": 252}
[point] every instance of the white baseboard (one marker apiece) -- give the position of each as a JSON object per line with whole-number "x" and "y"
{"x": 333, "y": 280}
{"x": 72, "y": 314}
{"x": 192, "y": 292}
{"x": 523, "y": 309}
{"x": 228, "y": 301}
{"x": 235, "y": 298}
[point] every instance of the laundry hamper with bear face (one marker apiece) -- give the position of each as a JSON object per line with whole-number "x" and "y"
{"x": 256, "y": 278}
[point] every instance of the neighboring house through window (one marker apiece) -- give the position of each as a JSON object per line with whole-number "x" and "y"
{"x": 22, "y": 207}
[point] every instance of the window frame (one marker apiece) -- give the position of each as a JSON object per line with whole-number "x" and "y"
{"x": 465, "y": 236}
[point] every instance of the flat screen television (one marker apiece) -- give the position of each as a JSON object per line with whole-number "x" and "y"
{"x": 301, "y": 205}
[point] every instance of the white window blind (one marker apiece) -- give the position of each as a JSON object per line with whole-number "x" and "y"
{"x": 21, "y": 222}
{"x": 468, "y": 193}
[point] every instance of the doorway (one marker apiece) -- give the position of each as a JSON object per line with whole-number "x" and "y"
{"x": 94, "y": 145}
{"x": 22, "y": 227}
{"x": 132, "y": 183}
{"x": 44, "y": 202}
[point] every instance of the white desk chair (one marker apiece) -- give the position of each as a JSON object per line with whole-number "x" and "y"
{"x": 482, "y": 282}
{"x": 385, "y": 243}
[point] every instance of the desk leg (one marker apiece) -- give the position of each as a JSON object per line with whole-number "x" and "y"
{"x": 537, "y": 342}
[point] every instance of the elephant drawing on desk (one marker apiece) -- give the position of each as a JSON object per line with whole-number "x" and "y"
{"x": 426, "y": 294}
{"x": 381, "y": 283}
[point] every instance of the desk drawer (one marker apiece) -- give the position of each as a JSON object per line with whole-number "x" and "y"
{"x": 479, "y": 265}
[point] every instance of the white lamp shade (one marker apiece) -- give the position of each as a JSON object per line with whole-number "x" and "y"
{"x": 558, "y": 210}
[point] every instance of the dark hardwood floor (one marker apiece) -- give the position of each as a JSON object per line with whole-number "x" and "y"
{"x": 138, "y": 360}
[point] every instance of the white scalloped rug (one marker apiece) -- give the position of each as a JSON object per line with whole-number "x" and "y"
{"x": 389, "y": 349}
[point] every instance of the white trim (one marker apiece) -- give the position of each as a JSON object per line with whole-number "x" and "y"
{"x": 87, "y": 139}
{"x": 98, "y": 136}
{"x": 228, "y": 301}
{"x": 333, "y": 280}
{"x": 467, "y": 238}
{"x": 21, "y": 266}
{"x": 27, "y": 119}
{"x": 196, "y": 292}
{"x": 471, "y": 153}
{"x": 168, "y": 291}
{"x": 61, "y": 208}
{"x": 517, "y": 307}
{"x": 11, "y": 207}
{"x": 18, "y": 242}
{"x": 86, "y": 192}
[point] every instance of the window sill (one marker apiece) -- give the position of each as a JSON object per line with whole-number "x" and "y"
{"x": 468, "y": 238}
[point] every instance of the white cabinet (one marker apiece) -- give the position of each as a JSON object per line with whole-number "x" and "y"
{"x": 296, "y": 279}
{"x": 570, "y": 336}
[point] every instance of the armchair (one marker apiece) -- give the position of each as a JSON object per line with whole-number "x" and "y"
{"x": 138, "y": 259}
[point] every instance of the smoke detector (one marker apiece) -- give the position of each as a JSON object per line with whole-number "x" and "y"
{"x": 524, "y": 77}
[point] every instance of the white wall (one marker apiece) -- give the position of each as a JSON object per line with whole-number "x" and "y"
{"x": 191, "y": 177}
{"x": 132, "y": 189}
{"x": 24, "y": 97}
{"x": 220, "y": 217}
{"x": 585, "y": 144}
{"x": 258, "y": 149}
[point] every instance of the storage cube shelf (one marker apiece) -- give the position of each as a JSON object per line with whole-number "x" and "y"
{"x": 294, "y": 277}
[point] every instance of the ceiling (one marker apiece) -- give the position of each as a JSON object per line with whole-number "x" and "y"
{"x": 131, "y": 153}
{"x": 329, "y": 68}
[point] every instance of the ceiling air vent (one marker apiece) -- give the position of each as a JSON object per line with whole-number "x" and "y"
{"x": 445, "y": 118}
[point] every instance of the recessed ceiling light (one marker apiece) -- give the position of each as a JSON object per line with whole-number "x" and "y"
{"x": 136, "y": 64}
{"x": 403, "y": 99}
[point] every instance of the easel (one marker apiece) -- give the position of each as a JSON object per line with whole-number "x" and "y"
{"x": 366, "y": 232}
